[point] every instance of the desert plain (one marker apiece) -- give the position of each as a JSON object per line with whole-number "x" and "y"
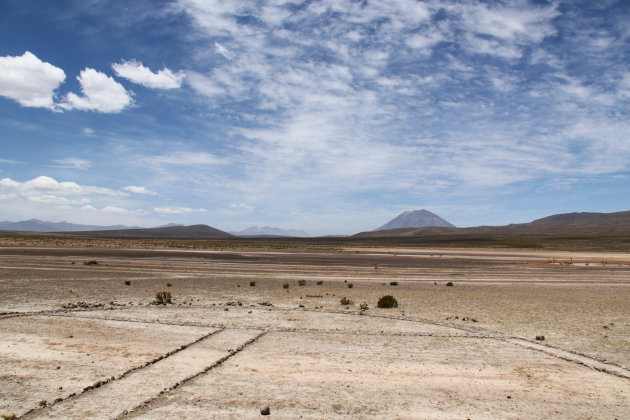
{"x": 254, "y": 326}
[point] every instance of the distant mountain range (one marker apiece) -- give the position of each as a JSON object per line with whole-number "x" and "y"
{"x": 415, "y": 218}
{"x": 35, "y": 225}
{"x": 271, "y": 231}
{"x": 169, "y": 232}
{"x": 558, "y": 224}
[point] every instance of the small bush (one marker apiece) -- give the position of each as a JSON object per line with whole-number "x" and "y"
{"x": 285, "y": 286}
{"x": 350, "y": 285}
{"x": 169, "y": 284}
{"x": 127, "y": 282}
{"x": 449, "y": 284}
{"x": 387, "y": 301}
{"x": 393, "y": 283}
{"x": 90, "y": 262}
{"x": 301, "y": 282}
{"x": 364, "y": 306}
{"x": 320, "y": 282}
{"x": 345, "y": 301}
{"x": 163, "y": 297}
{"x": 42, "y": 403}
{"x": 252, "y": 283}
{"x": 9, "y": 416}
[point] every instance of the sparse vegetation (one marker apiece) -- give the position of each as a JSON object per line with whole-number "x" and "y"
{"x": 345, "y": 301}
{"x": 9, "y": 416}
{"x": 285, "y": 285}
{"x": 364, "y": 306}
{"x": 92, "y": 262}
{"x": 320, "y": 282}
{"x": 350, "y": 285}
{"x": 387, "y": 301}
{"x": 127, "y": 282}
{"x": 393, "y": 283}
{"x": 42, "y": 403}
{"x": 252, "y": 283}
{"x": 449, "y": 284}
{"x": 163, "y": 297}
{"x": 169, "y": 284}
{"x": 301, "y": 282}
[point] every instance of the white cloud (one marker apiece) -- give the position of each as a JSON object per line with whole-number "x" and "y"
{"x": 242, "y": 206}
{"x": 88, "y": 131}
{"x": 29, "y": 81}
{"x": 45, "y": 185}
{"x": 139, "y": 190}
{"x": 73, "y": 163}
{"x": 101, "y": 93}
{"x": 183, "y": 159}
{"x": 134, "y": 70}
{"x": 178, "y": 210}
{"x": 220, "y": 49}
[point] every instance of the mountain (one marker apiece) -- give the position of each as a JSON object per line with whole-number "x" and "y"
{"x": 170, "y": 232}
{"x": 557, "y": 225}
{"x": 35, "y": 225}
{"x": 270, "y": 231}
{"x": 415, "y": 218}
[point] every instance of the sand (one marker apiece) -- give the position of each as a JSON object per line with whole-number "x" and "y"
{"x": 77, "y": 342}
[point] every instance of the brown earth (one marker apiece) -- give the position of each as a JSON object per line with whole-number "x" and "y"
{"x": 224, "y": 348}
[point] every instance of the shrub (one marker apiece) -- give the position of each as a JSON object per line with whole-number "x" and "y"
{"x": 90, "y": 262}
{"x": 169, "y": 284}
{"x": 345, "y": 301}
{"x": 387, "y": 301}
{"x": 42, "y": 403}
{"x": 393, "y": 283}
{"x": 285, "y": 286}
{"x": 9, "y": 416}
{"x": 363, "y": 306}
{"x": 252, "y": 283}
{"x": 449, "y": 284}
{"x": 350, "y": 285}
{"x": 301, "y": 282}
{"x": 320, "y": 282}
{"x": 127, "y": 282}
{"x": 163, "y": 297}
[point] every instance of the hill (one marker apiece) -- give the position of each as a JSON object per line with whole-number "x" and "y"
{"x": 170, "y": 232}
{"x": 415, "y": 218}
{"x": 271, "y": 231}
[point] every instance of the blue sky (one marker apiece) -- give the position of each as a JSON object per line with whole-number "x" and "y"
{"x": 328, "y": 116}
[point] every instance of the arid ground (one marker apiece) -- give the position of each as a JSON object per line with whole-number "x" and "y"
{"x": 79, "y": 337}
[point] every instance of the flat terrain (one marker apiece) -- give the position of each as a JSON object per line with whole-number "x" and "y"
{"x": 77, "y": 341}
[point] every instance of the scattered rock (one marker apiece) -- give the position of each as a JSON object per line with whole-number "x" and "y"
{"x": 540, "y": 338}
{"x": 265, "y": 410}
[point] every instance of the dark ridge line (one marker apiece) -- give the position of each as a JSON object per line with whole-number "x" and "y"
{"x": 270, "y": 328}
{"x": 190, "y": 378}
{"x": 475, "y": 330}
{"x": 104, "y": 382}
{"x": 16, "y": 314}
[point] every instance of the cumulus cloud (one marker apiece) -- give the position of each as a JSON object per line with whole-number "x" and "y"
{"x": 73, "y": 163}
{"x": 101, "y": 93}
{"x": 220, "y": 49}
{"x": 139, "y": 190}
{"x": 178, "y": 210}
{"x": 137, "y": 73}
{"x": 47, "y": 190}
{"x": 29, "y": 81}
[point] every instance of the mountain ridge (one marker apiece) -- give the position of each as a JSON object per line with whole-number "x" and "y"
{"x": 416, "y": 219}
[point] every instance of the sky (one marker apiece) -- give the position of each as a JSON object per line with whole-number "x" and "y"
{"x": 330, "y": 116}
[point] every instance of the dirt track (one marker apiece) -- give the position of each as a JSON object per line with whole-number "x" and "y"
{"x": 467, "y": 351}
